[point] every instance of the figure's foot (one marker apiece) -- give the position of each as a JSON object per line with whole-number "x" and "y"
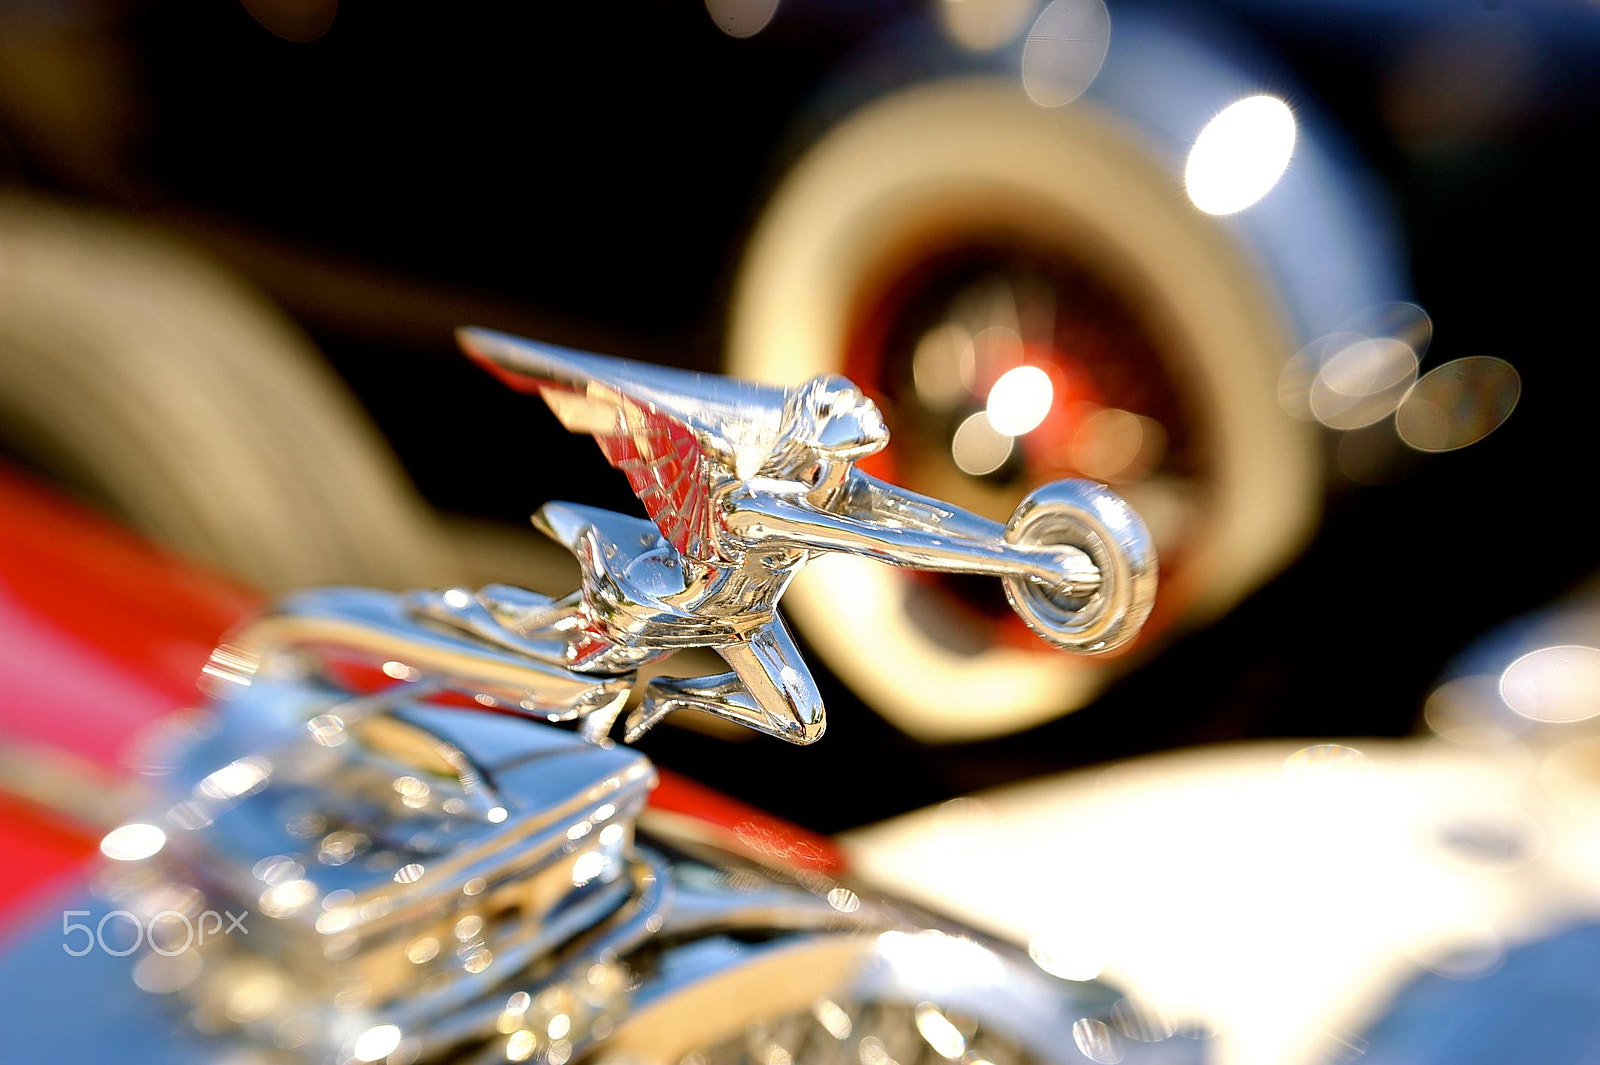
{"x": 725, "y": 696}
{"x": 596, "y": 723}
{"x": 647, "y": 715}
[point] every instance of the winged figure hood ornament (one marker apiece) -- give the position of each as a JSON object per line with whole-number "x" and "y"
{"x": 415, "y": 883}
{"x": 743, "y": 484}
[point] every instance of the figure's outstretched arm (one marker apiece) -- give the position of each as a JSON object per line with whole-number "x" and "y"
{"x": 894, "y": 525}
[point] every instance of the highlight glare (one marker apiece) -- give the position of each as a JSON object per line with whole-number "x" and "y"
{"x": 132, "y": 842}
{"x": 1070, "y": 959}
{"x": 937, "y": 1031}
{"x": 237, "y": 779}
{"x": 1240, "y": 155}
{"x": 1020, "y": 400}
{"x": 376, "y": 1043}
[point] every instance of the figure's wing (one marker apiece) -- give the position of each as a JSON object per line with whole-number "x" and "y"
{"x": 671, "y": 432}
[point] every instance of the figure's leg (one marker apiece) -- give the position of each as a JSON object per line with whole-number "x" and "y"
{"x": 597, "y": 718}
{"x": 769, "y": 690}
{"x": 662, "y": 695}
{"x": 515, "y": 618}
{"x": 531, "y": 615}
{"x": 538, "y": 629}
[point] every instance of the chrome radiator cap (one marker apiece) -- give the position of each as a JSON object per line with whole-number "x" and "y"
{"x": 415, "y": 882}
{"x": 397, "y": 859}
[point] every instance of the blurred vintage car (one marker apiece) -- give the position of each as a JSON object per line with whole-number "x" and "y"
{"x": 1422, "y": 901}
{"x": 1303, "y": 279}
{"x": 311, "y": 864}
{"x": 928, "y": 195}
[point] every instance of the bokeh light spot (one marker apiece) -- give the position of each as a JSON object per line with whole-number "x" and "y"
{"x": 741, "y": 18}
{"x": 132, "y": 842}
{"x": 1020, "y": 400}
{"x": 1363, "y": 383}
{"x": 376, "y": 1043}
{"x": 983, "y": 25}
{"x": 978, "y": 448}
{"x": 1240, "y": 155}
{"x": 1458, "y": 403}
{"x": 1065, "y": 49}
{"x": 1554, "y": 684}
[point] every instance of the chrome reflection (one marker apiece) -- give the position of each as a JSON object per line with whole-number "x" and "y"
{"x": 1071, "y": 957}
{"x": 376, "y": 1043}
{"x": 443, "y": 886}
{"x": 1142, "y": 1022}
{"x": 864, "y": 1032}
{"x": 1096, "y": 1041}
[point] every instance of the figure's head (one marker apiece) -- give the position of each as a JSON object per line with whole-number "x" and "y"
{"x": 835, "y": 418}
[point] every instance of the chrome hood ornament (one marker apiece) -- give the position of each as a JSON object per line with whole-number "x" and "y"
{"x": 744, "y": 484}
{"x": 417, "y": 883}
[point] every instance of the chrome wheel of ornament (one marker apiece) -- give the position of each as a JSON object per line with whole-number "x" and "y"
{"x": 1099, "y": 523}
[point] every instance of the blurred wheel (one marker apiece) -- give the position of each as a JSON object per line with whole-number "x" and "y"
{"x": 1029, "y": 295}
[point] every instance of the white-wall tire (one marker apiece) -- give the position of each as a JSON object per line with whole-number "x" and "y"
{"x": 946, "y": 156}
